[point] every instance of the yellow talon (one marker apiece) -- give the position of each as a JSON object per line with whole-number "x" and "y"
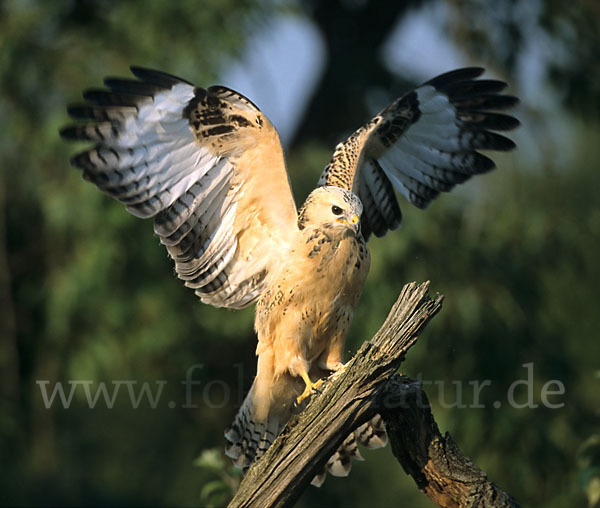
{"x": 310, "y": 388}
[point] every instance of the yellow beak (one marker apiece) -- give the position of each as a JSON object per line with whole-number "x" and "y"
{"x": 353, "y": 222}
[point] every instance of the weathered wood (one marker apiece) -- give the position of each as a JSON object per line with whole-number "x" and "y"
{"x": 435, "y": 462}
{"x": 349, "y": 398}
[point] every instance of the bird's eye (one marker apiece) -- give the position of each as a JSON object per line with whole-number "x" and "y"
{"x": 336, "y": 210}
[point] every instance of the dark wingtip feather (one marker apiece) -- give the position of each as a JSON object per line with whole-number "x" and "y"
{"x": 487, "y": 120}
{"x": 455, "y": 76}
{"x": 69, "y": 133}
{"x": 486, "y": 102}
{"x": 79, "y": 160}
{"x": 503, "y": 102}
{"x": 508, "y": 145}
{"x": 87, "y": 112}
{"x": 79, "y": 111}
{"x": 132, "y": 86}
{"x": 155, "y": 77}
{"x": 470, "y": 89}
{"x": 102, "y": 97}
{"x": 494, "y": 141}
{"x": 482, "y": 164}
{"x": 64, "y": 132}
{"x": 90, "y": 94}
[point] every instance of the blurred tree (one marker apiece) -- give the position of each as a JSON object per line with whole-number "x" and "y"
{"x": 74, "y": 304}
{"x": 516, "y": 262}
{"x": 353, "y": 33}
{"x": 565, "y": 33}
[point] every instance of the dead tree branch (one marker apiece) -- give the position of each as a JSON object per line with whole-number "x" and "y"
{"x": 368, "y": 385}
{"x": 435, "y": 462}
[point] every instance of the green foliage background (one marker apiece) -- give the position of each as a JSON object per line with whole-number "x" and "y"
{"x": 87, "y": 292}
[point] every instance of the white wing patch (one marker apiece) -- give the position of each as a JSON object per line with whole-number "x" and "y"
{"x": 425, "y": 143}
{"x": 171, "y": 151}
{"x": 435, "y": 152}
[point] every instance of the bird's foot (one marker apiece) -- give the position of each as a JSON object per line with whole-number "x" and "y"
{"x": 310, "y": 389}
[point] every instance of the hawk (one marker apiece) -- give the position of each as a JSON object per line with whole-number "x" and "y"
{"x": 207, "y": 165}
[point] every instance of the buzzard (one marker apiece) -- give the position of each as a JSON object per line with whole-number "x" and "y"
{"x": 207, "y": 165}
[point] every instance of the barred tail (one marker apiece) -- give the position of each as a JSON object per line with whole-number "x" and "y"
{"x": 371, "y": 435}
{"x": 249, "y": 437}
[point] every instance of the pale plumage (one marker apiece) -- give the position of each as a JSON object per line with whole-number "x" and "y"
{"x": 200, "y": 162}
{"x": 208, "y": 166}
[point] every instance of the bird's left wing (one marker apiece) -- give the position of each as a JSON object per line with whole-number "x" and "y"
{"x": 206, "y": 164}
{"x": 422, "y": 144}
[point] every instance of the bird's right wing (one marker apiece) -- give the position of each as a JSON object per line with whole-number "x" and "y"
{"x": 422, "y": 144}
{"x": 206, "y": 164}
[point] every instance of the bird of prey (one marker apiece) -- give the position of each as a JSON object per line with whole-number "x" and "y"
{"x": 207, "y": 165}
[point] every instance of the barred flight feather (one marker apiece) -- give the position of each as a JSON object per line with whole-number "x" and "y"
{"x": 208, "y": 167}
{"x": 169, "y": 150}
{"x": 426, "y": 142}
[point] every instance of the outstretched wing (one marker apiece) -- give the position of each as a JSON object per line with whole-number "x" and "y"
{"x": 206, "y": 164}
{"x": 422, "y": 144}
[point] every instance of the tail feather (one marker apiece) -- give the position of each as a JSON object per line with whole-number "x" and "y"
{"x": 339, "y": 463}
{"x": 371, "y": 434}
{"x": 248, "y": 438}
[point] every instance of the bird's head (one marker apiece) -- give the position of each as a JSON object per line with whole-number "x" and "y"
{"x": 332, "y": 207}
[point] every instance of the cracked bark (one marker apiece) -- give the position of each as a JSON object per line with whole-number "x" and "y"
{"x": 367, "y": 385}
